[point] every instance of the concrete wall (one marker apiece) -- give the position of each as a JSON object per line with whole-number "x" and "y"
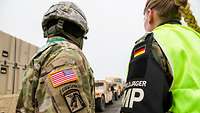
{"x": 15, "y": 55}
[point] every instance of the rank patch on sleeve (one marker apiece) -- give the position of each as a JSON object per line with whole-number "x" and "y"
{"x": 61, "y": 77}
{"x": 139, "y": 51}
{"x": 74, "y": 101}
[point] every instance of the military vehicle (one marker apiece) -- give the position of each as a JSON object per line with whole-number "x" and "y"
{"x": 117, "y": 84}
{"x": 117, "y": 90}
{"x": 103, "y": 94}
{"x": 14, "y": 57}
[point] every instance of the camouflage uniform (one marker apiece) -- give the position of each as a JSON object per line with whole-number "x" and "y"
{"x": 162, "y": 60}
{"x": 59, "y": 78}
{"x": 45, "y": 88}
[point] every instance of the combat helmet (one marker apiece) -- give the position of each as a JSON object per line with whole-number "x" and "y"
{"x": 65, "y": 18}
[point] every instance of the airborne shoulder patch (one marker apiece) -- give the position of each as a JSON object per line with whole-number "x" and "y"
{"x": 61, "y": 77}
{"x": 72, "y": 96}
{"x": 74, "y": 101}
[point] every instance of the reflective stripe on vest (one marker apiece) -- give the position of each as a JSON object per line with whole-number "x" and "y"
{"x": 181, "y": 46}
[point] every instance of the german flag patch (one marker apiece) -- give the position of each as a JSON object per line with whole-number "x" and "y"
{"x": 139, "y": 51}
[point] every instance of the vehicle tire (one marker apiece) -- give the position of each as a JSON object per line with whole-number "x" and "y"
{"x": 116, "y": 97}
{"x": 100, "y": 104}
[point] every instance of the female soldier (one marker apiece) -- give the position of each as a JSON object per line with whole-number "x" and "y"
{"x": 164, "y": 70}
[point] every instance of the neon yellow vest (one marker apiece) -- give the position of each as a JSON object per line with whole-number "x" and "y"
{"x": 181, "y": 46}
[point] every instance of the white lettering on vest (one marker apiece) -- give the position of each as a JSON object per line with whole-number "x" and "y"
{"x": 129, "y": 98}
{"x": 136, "y": 84}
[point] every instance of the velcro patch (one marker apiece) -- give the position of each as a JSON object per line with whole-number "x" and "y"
{"x": 62, "y": 77}
{"x": 74, "y": 101}
{"x": 139, "y": 51}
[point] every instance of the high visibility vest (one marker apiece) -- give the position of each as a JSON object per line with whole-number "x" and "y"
{"x": 181, "y": 45}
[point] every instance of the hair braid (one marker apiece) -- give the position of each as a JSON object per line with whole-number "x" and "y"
{"x": 186, "y": 13}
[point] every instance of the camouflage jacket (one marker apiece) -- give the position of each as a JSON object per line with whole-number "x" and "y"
{"x": 58, "y": 80}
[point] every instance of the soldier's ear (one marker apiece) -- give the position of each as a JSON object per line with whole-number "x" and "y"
{"x": 150, "y": 16}
{"x": 151, "y": 19}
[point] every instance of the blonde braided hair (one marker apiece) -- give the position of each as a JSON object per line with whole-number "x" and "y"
{"x": 186, "y": 13}
{"x": 173, "y": 9}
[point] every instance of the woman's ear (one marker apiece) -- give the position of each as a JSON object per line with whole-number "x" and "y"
{"x": 152, "y": 20}
{"x": 149, "y": 20}
{"x": 150, "y": 14}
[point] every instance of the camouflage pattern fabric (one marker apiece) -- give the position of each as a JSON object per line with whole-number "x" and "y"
{"x": 162, "y": 60}
{"x": 58, "y": 80}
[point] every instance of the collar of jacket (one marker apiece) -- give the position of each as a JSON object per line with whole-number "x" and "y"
{"x": 55, "y": 39}
{"x": 51, "y": 41}
{"x": 174, "y": 21}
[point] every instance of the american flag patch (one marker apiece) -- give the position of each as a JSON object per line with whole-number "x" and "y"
{"x": 62, "y": 77}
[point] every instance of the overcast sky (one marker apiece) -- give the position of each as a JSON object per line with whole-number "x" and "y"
{"x": 114, "y": 26}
